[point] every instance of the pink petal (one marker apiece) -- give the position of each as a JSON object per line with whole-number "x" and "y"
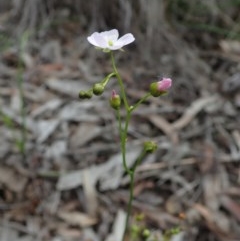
{"x": 114, "y": 94}
{"x": 164, "y": 84}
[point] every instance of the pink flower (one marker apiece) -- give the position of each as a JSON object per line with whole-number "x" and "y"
{"x": 164, "y": 84}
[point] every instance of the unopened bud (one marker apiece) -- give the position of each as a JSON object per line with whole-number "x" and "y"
{"x": 140, "y": 217}
{"x": 85, "y": 94}
{"x": 82, "y": 94}
{"x": 98, "y": 89}
{"x": 150, "y": 146}
{"x": 88, "y": 94}
{"x": 146, "y": 233}
{"x": 135, "y": 229}
{"x": 115, "y": 100}
{"x": 159, "y": 88}
{"x": 175, "y": 231}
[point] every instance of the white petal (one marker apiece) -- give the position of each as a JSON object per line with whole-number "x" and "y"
{"x": 111, "y": 35}
{"x": 91, "y": 40}
{"x": 97, "y": 40}
{"x": 116, "y": 46}
{"x": 125, "y": 39}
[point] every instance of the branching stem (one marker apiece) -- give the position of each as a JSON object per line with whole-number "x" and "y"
{"x": 123, "y": 131}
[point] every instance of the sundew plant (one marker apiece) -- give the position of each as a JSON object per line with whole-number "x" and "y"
{"x": 108, "y": 42}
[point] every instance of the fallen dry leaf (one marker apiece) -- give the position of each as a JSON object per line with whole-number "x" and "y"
{"x": 67, "y": 87}
{"x": 118, "y": 227}
{"x": 230, "y": 46}
{"x": 109, "y": 174}
{"x": 231, "y": 206}
{"x": 77, "y": 218}
{"x": 193, "y": 110}
{"x": 45, "y": 128}
{"x": 90, "y": 193}
{"x": 85, "y": 133}
{"x": 165, "y": 127}
{"x": 12, "y": 180}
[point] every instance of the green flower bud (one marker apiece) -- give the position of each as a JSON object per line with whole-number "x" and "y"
{"x": 135, "y": 229}
{"x": 146, "y": 233}
{"x": 175, "y": 231}
{"x": 82, "y": 94}
{"x": 150, "y": 146}
{"x": 88, "y": 94}
{"x": 85, "y": 94}
{"x": 98, "y": 89}
{"x": 154, "y": 90}
{"x": 140, "y": 217}
{"x": 115, "y": 100}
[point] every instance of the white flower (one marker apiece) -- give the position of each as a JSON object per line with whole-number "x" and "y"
{"x": 108, "y": 40}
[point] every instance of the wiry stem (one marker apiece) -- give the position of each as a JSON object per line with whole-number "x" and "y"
{"x": 123, "y": 136}
{"x": 120, "y": 82}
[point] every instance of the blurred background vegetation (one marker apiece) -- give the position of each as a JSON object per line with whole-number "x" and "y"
{"x": 151, "y": 21}
{"x": 168, "y": 32}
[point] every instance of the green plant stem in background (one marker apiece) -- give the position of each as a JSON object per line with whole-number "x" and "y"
{"x": 22, "y": 142}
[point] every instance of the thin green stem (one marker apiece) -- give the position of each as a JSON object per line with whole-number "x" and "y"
{"x": 120, "y": 82}
{"x": 130, "y": 200}
{"x": 132, "y": 108}
{"x": 106, "y": 80}
{"x": 22, "y": 142}
{"x": 123, "y": 131}
{"x": 124, "y": 138}
{"x": 23, "y": 114}
{"x": 131, "y": 175}
{"x": 123, "y": 141}
{"x": 138, "y": 161}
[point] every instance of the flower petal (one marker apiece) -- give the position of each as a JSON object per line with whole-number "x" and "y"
{"x": 111, "y": 35}
{"x": 164, "y": 84}
{"x": 116, "y": 46}
{"x": 125, "y": 39}
{"x": 91, "y": 39}
{"x": 97, "y": 40}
